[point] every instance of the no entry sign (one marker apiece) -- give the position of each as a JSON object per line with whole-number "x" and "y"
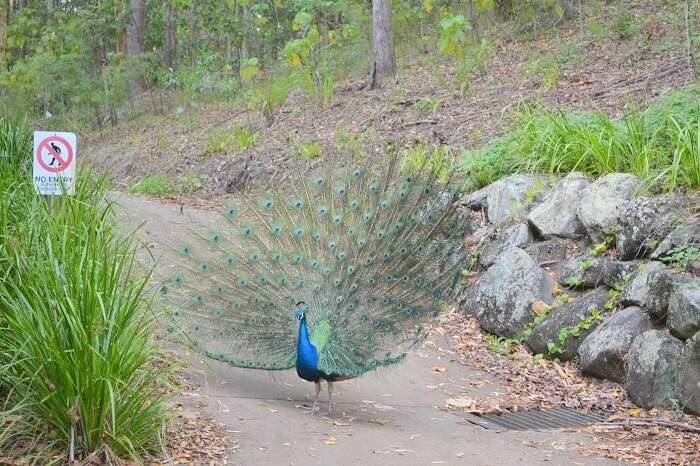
{"x": 54, "y": 162}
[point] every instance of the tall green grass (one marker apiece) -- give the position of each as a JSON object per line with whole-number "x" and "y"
{"x": 80, "y": 372}
{"x": 660, "y": 145}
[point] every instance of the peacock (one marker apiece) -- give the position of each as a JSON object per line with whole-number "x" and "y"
{"x": 335, "y": 276}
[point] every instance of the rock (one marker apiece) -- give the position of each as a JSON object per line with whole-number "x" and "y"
{"x": 567, "y": 316}
{"x": 645, "y": 221}
{"x": 688, "y": 385}
{"x": 652, "y": 369}
{"x": 545, "y": 252}
{"x": 514, "y": 195}
{"x": 583, "y": 272}
{"x": 618, "y": 273}
{"x": 556, "y": 215}
{"x": 503, "y": 296}
{"x": 650, "y": 288}
{"x": 694, "y": 267}
{"x": 684, "y": 310}
{"x": 514, "y": 236}
{"x": 601, "y": 202}
{"x": 681, "y": 247}
{"x": 477, "y": 199}
{"x": 603, "y": 352}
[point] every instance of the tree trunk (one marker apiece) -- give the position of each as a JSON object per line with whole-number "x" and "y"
{"x": 193, "y": 30}
{"x": 170, "y": 35}
{"x": 136, "y": 29}
{"x": 50, "y": 6}
{"x": 384, "y": 63}
{"x": 568, "y": 8}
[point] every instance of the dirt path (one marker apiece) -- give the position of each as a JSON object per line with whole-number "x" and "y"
{"x": 388, "y": 417}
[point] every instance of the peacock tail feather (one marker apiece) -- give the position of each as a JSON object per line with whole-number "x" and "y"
{"x": 371, "y": 251}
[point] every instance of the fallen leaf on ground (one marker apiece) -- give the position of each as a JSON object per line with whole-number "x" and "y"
{"x": 439, "y": 369}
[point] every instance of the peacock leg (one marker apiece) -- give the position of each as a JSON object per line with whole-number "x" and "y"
{"x": 330, "y": 395}
{"x": 318, "y": 392}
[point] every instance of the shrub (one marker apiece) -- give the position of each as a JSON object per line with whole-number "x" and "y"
{"x": 661, "y": 145}
{"x": 79, "y": 367}
{"x": 155, "y": 185}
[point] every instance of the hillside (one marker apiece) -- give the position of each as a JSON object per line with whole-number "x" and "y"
{"x": 205, "y": 149}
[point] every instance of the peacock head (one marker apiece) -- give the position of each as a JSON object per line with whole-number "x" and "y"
{"x": 300, "y": 310}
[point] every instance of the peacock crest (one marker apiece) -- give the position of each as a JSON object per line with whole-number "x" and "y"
{"x": 371, "y": 252}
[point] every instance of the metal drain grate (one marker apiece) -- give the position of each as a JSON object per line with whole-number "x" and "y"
{"x": 555, "y": 418}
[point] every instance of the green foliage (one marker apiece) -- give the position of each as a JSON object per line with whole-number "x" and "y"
{"x": 437, "y": 160}
{"x": 155, "y": 185}
{"x": 500, "y": 345}
{"x": 681, "y": 256}
{"x": 244, "y": 137}
{"x": 573, "y": 281}
{"x": 546, "y": 70}
{"x": 566, "y": 333}
{"x": 660, "y": 145}
{"x": 269, "y": 95}
{"x": 349, "y": 143}
{"x": 454, "y": 36}
{"x": 624, "y": 25}
{"x": 309, "y": 150}
{"x": 250, "y": 69}
{"x": 79, "y": 364}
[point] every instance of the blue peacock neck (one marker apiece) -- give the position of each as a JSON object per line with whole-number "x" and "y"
{"x": 307, "y": 355}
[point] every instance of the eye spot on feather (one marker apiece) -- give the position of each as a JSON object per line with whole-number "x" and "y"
{"x": 386, "y": 255}
{"x": 338, "y": 299}
{"x": 218, "y": 289}
{"x": 283, "y": 281}
{"x": 356, "y": 173}
{"x": 336, "y": 282}
{"x": 327, "y": 271}
{"x": 408, "y": 179}
{"x": 383, "y": 204}
{"x": 381, "y": 234}
{"x": 354, "y": 204}
{"x": 204, "y": 267}
{"x": 242, "y": 282}
{"x": 323, "y": 210}
{"x": 319, "y": 182}
{"x": 373, "y": 188}
{"x": 296, "y": 259}
{"x": 351, "y": 270}
{"x": 405, "y": 280}
{"x": 341, "y": 191}
{"x": 186, "y": 250}
{"x": 386, "y": 301}
{"x": 317, "y": 288}
{"x": 254, "y": 258}
{"x": 247, "y": 231}
{"x": 403, "y": 251}
{"x": 299, "y": 232}
{"x": 276, "y": 229}
{"x": 314, "y": 263}
{"x": 268, "y": 205}
{"x": 367, "y": 216}
{"x": 231, "y": 212}
{"x": 332, "y": 245}
{"x": 230, "y": 260}
{"x": 275, "y": 257}
{"x": 398, "y": 226}
{"x": 215, "y": 237}
{"x": 301, "y": 283}
{"x": 178, "y": 280}
{"x": 372, "y": 281}
{"x": 325, "y": 301}
{"x": 361, "y": 242}
{"x": 317, "y": 236}
{"x": 353, "y": 287}
{"x": 298, "y": 204}
{"x": 402, "y": 194}
{"x": 199, "y": 300}
{"x": 342, "y": 255}
{"x": 368, "y": 261}
{"x": 337, "y": 219}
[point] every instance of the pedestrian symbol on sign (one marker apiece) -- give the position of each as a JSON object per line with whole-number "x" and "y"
{"x": 54, "y": 162}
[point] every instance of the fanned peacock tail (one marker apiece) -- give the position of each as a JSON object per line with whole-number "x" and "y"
{"x": 370, "y": 251}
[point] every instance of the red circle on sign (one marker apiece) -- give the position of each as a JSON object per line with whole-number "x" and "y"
{"x": 64, "y": 164}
